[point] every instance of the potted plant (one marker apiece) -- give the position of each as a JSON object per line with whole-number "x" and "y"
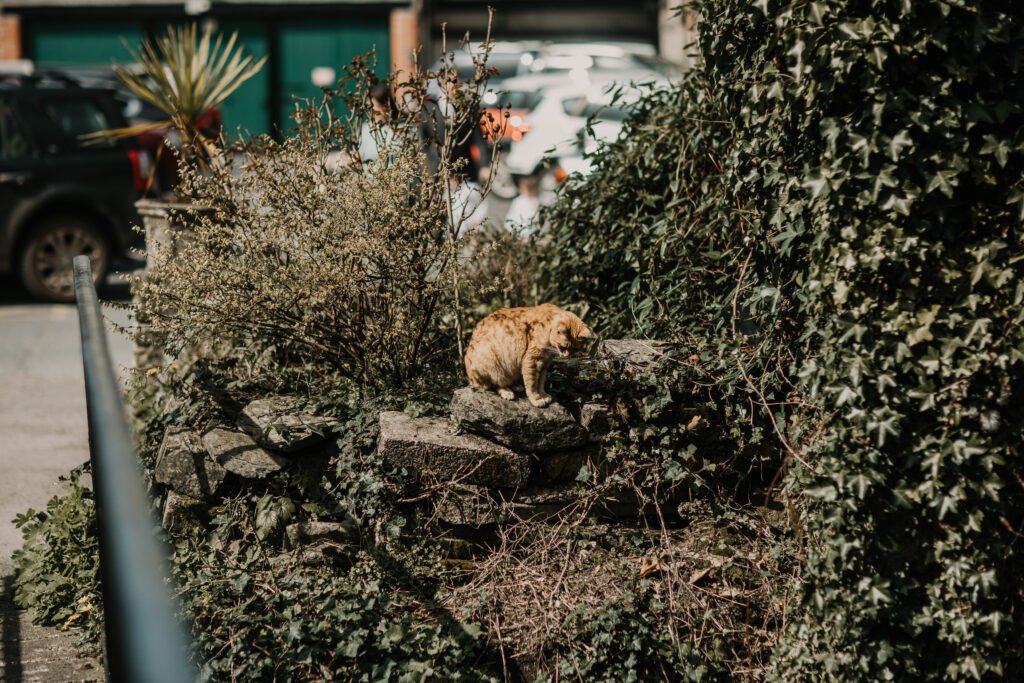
{"x": 184, "y": 74}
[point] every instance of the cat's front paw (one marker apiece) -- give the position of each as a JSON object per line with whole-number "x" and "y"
{"x": 541, "y": 401}
{"x": 507, "y": 394}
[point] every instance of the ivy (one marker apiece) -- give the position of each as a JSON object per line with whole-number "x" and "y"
{"x": 832, "y": 205}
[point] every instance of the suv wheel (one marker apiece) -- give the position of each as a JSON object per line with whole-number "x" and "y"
{"x": 48, "y": 249}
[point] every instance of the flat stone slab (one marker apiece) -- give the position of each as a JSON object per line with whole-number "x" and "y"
{"x": 311, "y": 532}
{"x": 183, "y": 464}
{"x": 426, "y": 446}
{"x": 277, "y": 422}
{"x": 639, "y": 355}
{"x": 517, "y": 424}
{"x": 472, "y": 506}
{"x": 239, "y": 454}
{"x": 318, "y": 554}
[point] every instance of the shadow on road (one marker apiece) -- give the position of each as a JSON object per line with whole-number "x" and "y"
{"x": 10, "y": 634}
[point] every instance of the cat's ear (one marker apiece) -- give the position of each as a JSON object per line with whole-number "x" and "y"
{"x": 581, "y": 331}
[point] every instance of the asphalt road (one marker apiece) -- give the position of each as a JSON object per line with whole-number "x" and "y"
{"x": 43, "y": 430}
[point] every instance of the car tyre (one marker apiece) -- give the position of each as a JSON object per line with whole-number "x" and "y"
{"x": 48, "y": 249}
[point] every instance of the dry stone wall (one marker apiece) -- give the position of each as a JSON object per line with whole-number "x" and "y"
{"x": 490, "y": 460}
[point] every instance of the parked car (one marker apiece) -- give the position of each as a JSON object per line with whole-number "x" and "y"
{"x": 573, "y": 116}
{"x": 59, "y": 195}
{"x": 159, "y": 143}
{"x": 507, "y": 110}
{"x": 589, "y": 58}
{"x": 507, "y": 58}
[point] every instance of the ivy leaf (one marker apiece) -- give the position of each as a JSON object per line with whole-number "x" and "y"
{"x": 922, "y": 332}
{"x": 826, "y": 492}
{"x": 944, "y": 181}
{"x": 997, "y": 148}
{"x": 272, "y": 513}
{"x": 898, "y": 143}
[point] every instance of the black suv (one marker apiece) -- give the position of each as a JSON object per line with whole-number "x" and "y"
{"x": 60, "y": 195}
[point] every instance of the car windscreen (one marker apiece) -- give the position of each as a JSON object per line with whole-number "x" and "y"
{"x": 506, "y": 63}
{"x": 76, "y": 116}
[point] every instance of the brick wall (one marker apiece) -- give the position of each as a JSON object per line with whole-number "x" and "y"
{"x": 10, "y": 37}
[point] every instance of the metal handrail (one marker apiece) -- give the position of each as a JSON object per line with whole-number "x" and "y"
{"x": 144, "y": 643}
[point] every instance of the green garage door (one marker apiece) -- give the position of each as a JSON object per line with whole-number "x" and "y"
{"x": 306, "y": 45}
{"x": 90, "y": 43}
{"x": 247, "y": 110}
{"x": 104, "y": 43}
{"x": 303, "y": 46}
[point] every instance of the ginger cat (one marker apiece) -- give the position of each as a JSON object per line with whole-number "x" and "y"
{"x": 514, "y": 346}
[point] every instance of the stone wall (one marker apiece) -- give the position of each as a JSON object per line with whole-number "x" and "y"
{"x": 269, "y": 435}
{"x": 488, "y": 461}
{"x": 495, "y": 460}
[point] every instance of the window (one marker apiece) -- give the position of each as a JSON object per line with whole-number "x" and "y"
{"x": 14, "y": 141}
{"x": 76, "y": 117}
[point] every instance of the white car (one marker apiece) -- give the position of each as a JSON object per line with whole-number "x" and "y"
{"x": 577, "y": 58}
{"x": 558, "y": 124}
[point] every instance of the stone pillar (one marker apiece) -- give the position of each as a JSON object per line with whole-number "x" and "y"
{"x": 677, "y": 32}
{"x": 10, "y": 36}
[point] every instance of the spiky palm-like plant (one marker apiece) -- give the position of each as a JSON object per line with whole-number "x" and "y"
{"x": 185, "y": 75}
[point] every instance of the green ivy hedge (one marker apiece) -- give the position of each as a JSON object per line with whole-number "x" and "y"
{"x": 834, "y": 203}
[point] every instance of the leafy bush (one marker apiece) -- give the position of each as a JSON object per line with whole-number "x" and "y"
{"x": 906, "y": 145}
{"x": 256, "y": 621}
{"x": 625, "y": 642}
{"x": 57, "y": 568}
{"x": 834, "y": 203}
{"x": 303, "y": 257}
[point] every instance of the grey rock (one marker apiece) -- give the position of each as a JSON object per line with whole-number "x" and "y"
{"x": 239, "y": 454}
{"x": 472, "y": 506}
{"x": 517, "y": 424}
{"x": 276, "y": 422}
{"x": 182, "y": 513}
{"x": 306, "y": 533}
{"x": 426, "y": 446}
{"x": 183, "y": 464}
{"x": 594, "y": 420}
{"x": 639, "y": 355}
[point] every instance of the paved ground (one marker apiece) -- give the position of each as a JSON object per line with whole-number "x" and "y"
{"x": 43, "y": 434}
